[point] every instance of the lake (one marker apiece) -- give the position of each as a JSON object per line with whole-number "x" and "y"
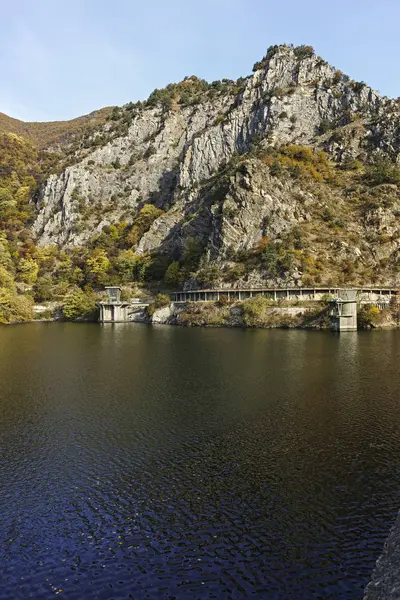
{"x": 161, "y": 462}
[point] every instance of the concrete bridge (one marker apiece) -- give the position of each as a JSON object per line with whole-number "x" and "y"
{"x": 374, "y": 295}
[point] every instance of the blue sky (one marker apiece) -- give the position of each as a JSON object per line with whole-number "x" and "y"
{"x": 64, "y": 58}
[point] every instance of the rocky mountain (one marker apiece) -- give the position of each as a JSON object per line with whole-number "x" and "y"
{"x": 286, "y": 176}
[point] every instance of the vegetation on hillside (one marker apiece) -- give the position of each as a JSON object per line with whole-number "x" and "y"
{"x": 52, "y": 133}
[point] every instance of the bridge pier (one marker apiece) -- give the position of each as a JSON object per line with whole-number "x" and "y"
{"x": 343, "y": 315}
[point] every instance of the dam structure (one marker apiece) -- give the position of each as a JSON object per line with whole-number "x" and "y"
{"x": 343, "y": 302}
{"x": 343, "y": 315}
{"x": 115, "y": 310}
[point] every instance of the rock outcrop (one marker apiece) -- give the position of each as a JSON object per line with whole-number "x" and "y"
{"x": 201, "y": 162}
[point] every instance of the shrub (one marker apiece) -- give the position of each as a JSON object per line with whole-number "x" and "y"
{"x": 303, "y": 162}
{"x": 209, "y": 275}
{"x": 261, "y": 64}
{"x": 235, "y": 272}
{"x": 219, "y": 119}
{"x": 79, "y": 305}
{"x": 223, "y": 301}
{"x": 325, "y": 126}
{"x": 337, "y": 77}
{"x": 15, "y": 308}
{"x": 358, "y": 85}
{"x": 304, "y": 52}
{"x": 142, "y": 223}
{"x": 254, "y": 310}
{"x": 368, "y": 316}
{"x": 162, "y": 300}
{"x": 383, "y": 171}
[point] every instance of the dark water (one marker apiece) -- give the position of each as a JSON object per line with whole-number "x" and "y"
{"x": 141, "y": 462}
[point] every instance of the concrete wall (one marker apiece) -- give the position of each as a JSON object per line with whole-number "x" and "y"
{"x": 113, "y": 313}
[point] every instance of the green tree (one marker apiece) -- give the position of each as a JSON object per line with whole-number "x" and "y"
{"x": 173, "y": 275}
{"x": 6, "y": 279}
{"x": 97, "y": 267}
{"x": 79, "y": 305}
{"x": 192, "y": 253}
{"x": 6, "y": 201}
{"x": 43, "y": 289}
{"x": 14, "y": 308}
{"x": 126, "y": 264}
{"x": 5, "y": 254}
{"x": 28, "y": 270}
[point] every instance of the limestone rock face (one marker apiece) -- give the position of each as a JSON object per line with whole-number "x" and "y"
{"x": 163, "y": 315}
{"x": 172, "y": 156}
{"x": 166, "y": 155}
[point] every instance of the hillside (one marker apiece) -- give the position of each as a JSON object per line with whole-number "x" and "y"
{"x": 43, "y": 135}
{"x": 286, "y": 177}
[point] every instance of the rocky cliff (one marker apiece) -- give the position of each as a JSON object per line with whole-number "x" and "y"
{"x": 287, "y": 175}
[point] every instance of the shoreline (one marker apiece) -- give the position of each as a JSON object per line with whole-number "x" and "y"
{"x": 237, "y": 315}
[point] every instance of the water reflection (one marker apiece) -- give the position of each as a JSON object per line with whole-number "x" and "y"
{"x": 195, "y": 463}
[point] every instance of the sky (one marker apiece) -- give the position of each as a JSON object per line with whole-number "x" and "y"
{"x": 64, "y": 58}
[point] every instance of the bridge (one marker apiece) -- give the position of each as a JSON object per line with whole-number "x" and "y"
{"x": 375, "y": 295}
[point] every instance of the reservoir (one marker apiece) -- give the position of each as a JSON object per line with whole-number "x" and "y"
{"x": 169, "y": 463}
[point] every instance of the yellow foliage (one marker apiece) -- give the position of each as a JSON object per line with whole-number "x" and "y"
{"x": 303, "y": 162}
{"x": 6, "y": 279}
{"x": 28, "y": 270}
{"x": 14, "y": 308}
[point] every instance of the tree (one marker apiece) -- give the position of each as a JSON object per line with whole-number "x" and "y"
{"x": 14, "y": 308}
{"x": 97, "y": 267}
{"x": 126, "y": 263}
{"x": 79, "y": 305}
{"x": 6, "y": 279}
{"x": 173, "y": 275}
{"x": 6, "y": 201}
{"x": 192, "y": 253}
{"x": 43, "y": 289}
{"x": 28, "y": 270}
{"x": 5, "y": 255}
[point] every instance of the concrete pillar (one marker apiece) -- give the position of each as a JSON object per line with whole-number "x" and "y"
{"x": 344, "y": 311}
